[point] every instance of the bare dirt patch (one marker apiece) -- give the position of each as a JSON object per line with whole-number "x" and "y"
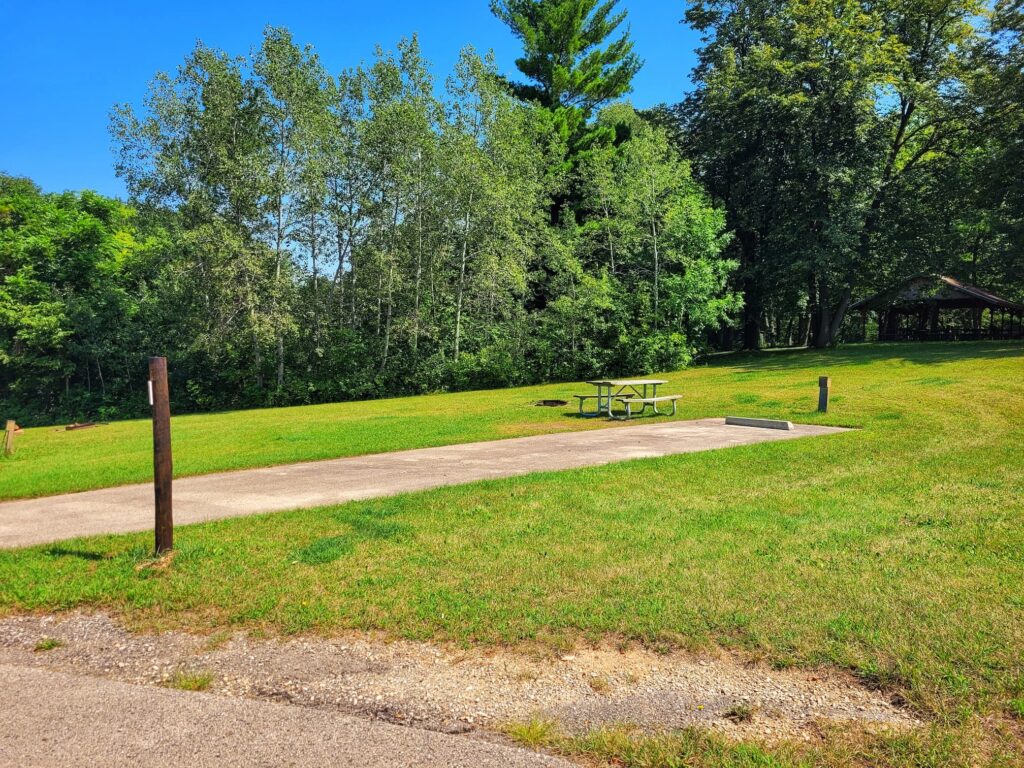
{"x": 449, "y": 690}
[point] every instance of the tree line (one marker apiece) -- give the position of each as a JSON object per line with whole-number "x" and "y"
{"x": 294, "y": 235}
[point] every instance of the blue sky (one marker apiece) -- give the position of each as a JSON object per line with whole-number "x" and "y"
{"x": 64, "y": 65}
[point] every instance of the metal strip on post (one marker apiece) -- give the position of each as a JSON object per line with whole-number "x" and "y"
{"x": 162, "y": 465}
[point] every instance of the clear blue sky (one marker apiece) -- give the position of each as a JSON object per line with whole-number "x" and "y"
{"x": 64, "y": 64}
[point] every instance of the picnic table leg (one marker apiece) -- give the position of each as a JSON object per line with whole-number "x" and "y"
{"x": 610, "y": 395}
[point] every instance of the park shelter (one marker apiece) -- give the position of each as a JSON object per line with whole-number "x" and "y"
{"x": 940, "y": 308}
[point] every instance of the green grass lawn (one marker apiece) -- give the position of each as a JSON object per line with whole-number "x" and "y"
{"x": 50, "y": 460}
{"x": 895, "y": 550}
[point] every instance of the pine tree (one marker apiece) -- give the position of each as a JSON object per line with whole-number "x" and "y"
{"x": 563, "y": 59}
{"x": 572, "y": 68}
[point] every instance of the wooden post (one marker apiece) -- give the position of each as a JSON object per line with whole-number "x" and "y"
{"x": 824, "y": 385}
{"x": 162, "y": 470}
{"x": 9, "y": 437}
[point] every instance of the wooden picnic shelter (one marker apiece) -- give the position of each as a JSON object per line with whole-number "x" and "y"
{"x": 940, "y": 308}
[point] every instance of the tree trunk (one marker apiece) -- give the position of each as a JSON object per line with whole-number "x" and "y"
{"x": 313, "y": 238}
{"x": 278, "y": 255}
{"x": 462, "y": 282}
{"x": 280, "y": 359}
{"x": 419, "y": 278}
{"x": 824, "y": 333}
{"x": 387, "y": 322}
{"x": 751, "y": 290}
{"x": 657, "y": 267}
{"x": 830, "y": 322}
{"x": 458, "y": 299}
{"x": 840, "y": 315}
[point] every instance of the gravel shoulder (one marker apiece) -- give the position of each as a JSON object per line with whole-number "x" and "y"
{"x": 446, "y": 690}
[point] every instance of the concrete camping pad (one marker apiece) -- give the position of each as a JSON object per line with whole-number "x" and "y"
{"x": 311, "y": 484}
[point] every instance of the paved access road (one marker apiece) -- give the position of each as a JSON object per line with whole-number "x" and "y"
{"x": 51, "y": 718}
{"x": 313, "y": 484}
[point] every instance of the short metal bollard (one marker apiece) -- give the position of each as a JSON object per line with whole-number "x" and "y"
{"x": 824, "y": 387}
{"x": 9, "y": 431}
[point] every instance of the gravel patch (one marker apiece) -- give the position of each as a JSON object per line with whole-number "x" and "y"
{"x": 452, "y": 691}
{"x": 56, "y": 719}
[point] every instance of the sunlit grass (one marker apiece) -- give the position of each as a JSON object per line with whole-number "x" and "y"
{"x": 51, "y": 460}
{"x": 191, "y": 681}
{"x": 626, "y": 747}
{"x": 895, "y": 550}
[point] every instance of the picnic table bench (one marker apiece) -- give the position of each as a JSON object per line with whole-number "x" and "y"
{"x": 627, "y": 392}
{"x": 629, "y": 402}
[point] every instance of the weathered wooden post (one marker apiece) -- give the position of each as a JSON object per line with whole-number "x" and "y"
{"x": 824, "y": 386}
{"x": 159, "y": 398}
{"x": 9, "y": 437}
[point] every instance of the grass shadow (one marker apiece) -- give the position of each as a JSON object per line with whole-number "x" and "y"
{"x": 366, "y": 523}
{"x": 81, "y": 554}
{"x": 322, "y": 551}
{"x": 864, "y": 354}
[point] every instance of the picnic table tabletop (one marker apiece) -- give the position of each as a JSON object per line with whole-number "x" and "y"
{"x": 626, "y": 382}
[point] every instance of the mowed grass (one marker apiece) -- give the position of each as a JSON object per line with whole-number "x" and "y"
{"x": 895, "y": 550}
{"x": 627, "y": 746}
{"x": 50, "y": 460}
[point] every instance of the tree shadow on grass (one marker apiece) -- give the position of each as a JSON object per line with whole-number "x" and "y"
{"x": 325, "y": 550}
{"x": 81, "y": 554}
{"x": 864, "y": 354}
{"x": 365, "y": 524}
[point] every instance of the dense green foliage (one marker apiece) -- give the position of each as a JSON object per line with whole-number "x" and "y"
{"x": 76, "y": 279}
{"x": 563, "y": 57}
{"x": 572, "y": 69}
{"x": 854, "y": 145}
{"x": 326, "y": 238}
{"x": 296, "y": 235}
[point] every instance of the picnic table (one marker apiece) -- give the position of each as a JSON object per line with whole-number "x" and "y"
{"x": 629, "y": 392}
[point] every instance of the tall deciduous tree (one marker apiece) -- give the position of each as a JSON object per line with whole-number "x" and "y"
{"x": 807, "y": 119}
{"x": 669, "y": 277}
{"x": 205, "y": 148}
